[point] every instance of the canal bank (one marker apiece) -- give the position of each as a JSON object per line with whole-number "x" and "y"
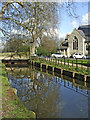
{"x": 12, "y": 107}
{"x": 59, "y": 70}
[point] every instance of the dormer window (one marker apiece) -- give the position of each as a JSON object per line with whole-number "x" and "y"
{"x": 75, "y": 43}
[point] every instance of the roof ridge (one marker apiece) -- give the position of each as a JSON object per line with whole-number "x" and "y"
{"x": 79, "y": 30}
{"x": 84, "y": 25}
{"x": 80, "y": 33}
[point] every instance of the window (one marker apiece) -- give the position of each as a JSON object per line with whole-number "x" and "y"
{"x": 75, "y": 43}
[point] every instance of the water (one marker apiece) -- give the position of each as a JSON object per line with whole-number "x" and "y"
{"x": 50, "y": 95}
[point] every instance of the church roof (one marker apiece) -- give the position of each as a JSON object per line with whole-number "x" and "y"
{"x": 85, "y": 31}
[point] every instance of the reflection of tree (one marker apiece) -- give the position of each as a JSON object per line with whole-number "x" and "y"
{"x": 45, "y": 100}
{"x": 39, "y": 94}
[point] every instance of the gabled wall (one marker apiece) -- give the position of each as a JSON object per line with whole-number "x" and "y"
{"x": 80, "y": 43}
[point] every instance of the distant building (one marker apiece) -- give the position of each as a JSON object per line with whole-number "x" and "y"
{"x": 77, "y": 42}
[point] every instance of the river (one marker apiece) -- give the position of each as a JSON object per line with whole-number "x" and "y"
{"x": 48, "y": 94}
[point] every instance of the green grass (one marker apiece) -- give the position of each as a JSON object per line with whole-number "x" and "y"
{"x": 12, "y": 107}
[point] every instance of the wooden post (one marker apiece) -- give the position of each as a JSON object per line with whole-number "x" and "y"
{"x": 73, "y": 74}
{"x": 41, "y": 65}
{"x": 85, "y": 78}
{"x": 46, "y": 67}
{"x": 61, "y": 71}
{"x": 53, "y": 69}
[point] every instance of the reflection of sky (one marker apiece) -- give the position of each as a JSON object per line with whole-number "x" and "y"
{"x": 49, "y": 96}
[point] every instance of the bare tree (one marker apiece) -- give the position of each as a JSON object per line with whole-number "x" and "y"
{"x": 30, "y": 18}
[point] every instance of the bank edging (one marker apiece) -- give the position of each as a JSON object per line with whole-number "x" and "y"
{"x": 73, "y": 74}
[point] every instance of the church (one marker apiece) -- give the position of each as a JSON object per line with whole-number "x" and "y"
{"x": 77, "y": 42}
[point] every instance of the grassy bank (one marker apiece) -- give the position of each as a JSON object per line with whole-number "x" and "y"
{"x": 11, "y": 105}
{"x": 81, "y": 69}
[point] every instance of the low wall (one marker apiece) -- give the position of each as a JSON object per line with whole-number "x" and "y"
{"x": 68, "y": 73}
{"x": 50, "y": 68}
{"x": 81, "y": 77}
{"x": 58, "y": 70}
{"x": 64, "y": 72}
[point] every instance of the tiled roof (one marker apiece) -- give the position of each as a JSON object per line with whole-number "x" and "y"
{"x": 81, "y": 32}
{"x": 84, "y": 30}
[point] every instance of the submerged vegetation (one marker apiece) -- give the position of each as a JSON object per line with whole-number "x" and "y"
{"x": 11, "y": 105}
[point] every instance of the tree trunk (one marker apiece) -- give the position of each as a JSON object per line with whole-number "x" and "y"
{"x": 32, "y": 50}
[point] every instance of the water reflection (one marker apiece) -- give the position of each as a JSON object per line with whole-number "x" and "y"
{"x": 48, "y": 95}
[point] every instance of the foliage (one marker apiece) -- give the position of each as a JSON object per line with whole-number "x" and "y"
{"x": 47, "y": 46}
{"x": 15, "y": 45}
{"x": 41, "y": 51}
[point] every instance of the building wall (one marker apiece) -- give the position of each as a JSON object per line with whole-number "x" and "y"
{"x": 70, "y": 43}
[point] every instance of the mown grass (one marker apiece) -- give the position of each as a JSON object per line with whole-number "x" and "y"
{"x": 11, "y": 105}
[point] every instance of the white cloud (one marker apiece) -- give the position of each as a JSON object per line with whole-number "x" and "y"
{"x": 74, "y": 24}
{"x": 56, "y": 33}
{"x": 85, "y": 19}
{"x": 59, "y": 34}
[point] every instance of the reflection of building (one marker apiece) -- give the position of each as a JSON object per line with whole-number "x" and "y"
{"x": 77, "y": 42}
